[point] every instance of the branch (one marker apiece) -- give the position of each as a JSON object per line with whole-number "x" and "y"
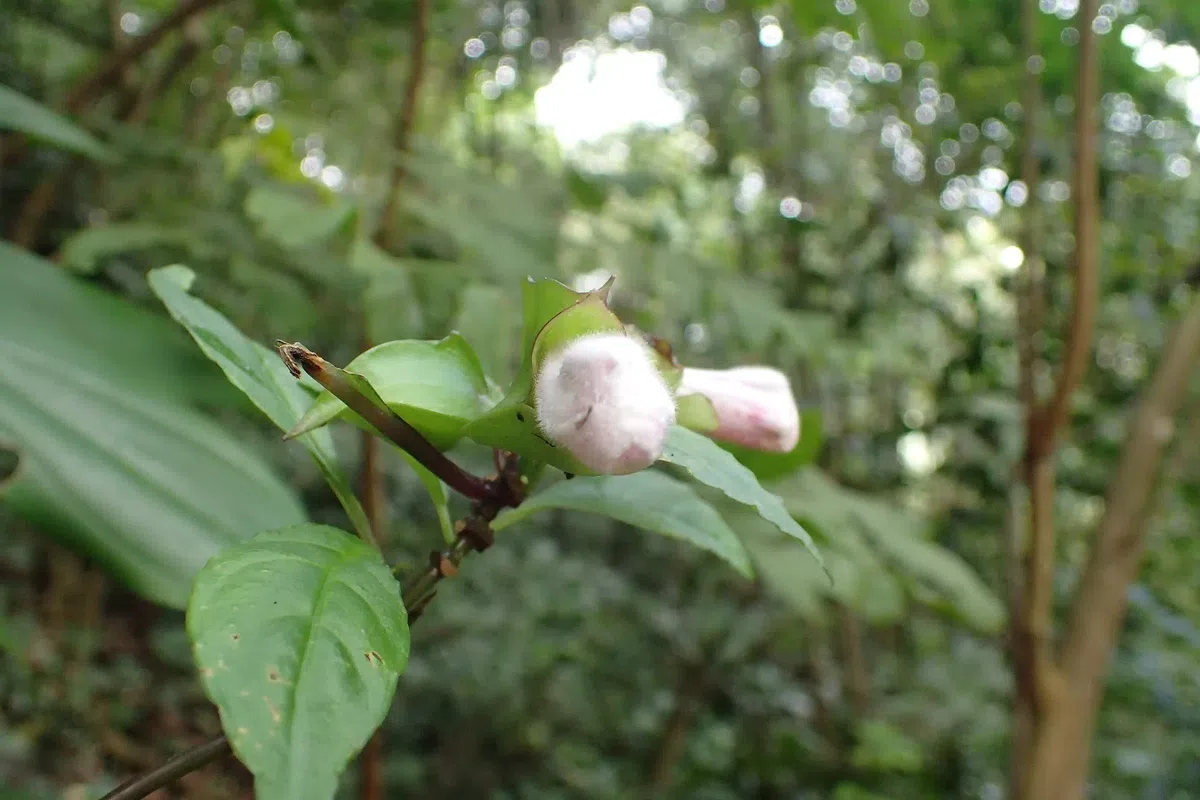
{"x": 1037, "y": 676}
{"x": 171, "y": 771}
{"x": 101, "y": 79}
{"x": 1030, "y": 289}
{"x": 857, "y": 679}
{"x": 386, "y": 235}
{"x": 1087, "y": 216}
{"x": 1030, "y": 572}
{"x": 184, "y": 55}
{"x": 677, "y": 727}
{"x": 1099, "y": 605}
{"x": 28, "y": 223}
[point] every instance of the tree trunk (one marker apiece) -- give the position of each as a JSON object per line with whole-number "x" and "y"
{"x": 1062, "y": 738}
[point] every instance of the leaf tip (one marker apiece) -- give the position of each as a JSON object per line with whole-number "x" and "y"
{"x": 296, "y": 357}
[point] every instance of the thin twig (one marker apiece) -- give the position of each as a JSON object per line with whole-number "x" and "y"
{"x": 109, "y": 71}
{"x": 171, "y": 771}
{"x": 1087, "y": 216}
{"x": 26, "y": 228}
{"x": 386, "y": 235}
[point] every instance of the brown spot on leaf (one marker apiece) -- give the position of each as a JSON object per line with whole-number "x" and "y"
{"x": 374, "y": 658}
{"x": 275, "y": 715}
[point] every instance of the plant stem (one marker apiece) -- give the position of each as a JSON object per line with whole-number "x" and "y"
{"x": 171, "y": 771}
{"x": 386, "y": 235}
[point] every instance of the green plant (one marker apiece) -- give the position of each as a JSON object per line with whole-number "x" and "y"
{"x": 300, "y": 633}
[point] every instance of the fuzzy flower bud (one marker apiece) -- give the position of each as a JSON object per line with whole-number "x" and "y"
{"x": 754, "y": 406}
{"x": 602, "y": 398}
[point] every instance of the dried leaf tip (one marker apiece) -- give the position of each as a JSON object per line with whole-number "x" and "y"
{"x": 292, "y": 354}
{"x": 297, "y": 358}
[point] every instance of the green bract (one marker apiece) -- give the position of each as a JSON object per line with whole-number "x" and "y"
{"x": 437, "y": 387}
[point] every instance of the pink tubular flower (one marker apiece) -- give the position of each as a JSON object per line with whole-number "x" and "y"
{"x": 602, "y": 398}
{"x": 754, "y": 406}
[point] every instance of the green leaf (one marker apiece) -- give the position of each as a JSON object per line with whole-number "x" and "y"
{"x": 389, "y": 302}
{"x": 886, "y": 748}
{"x": 114, "y": 462}
{"x": 300, "y": 635}
{"x": 772, "y": 466}
{"x": 896, "y": 540}
{"x": 695, "y": 412}
{"x": 28, "y": 116}
{"x": 712, "y": 466}
{"x": 84, "y": 250}
{"x": 936, "y": 569}
{"x": 259, "y": 373}
{"x": 294, "y": 222}
{"x": 437, "y": 493}
{"x": 488, "y": 319}
{"x": 648, "y": 499}
{"x": 437, "y": 387}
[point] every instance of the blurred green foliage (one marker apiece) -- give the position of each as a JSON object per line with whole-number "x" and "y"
{"x": 837, "y": 199}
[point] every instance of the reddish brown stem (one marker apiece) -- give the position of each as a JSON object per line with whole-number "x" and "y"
{"x": 1082, "y": 328}
{"x": 386, "y": 235}
{"x": 28, "y": 224}
{"x": 105, "y": 76}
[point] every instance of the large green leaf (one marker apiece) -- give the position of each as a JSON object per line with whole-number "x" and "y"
{"x": 84, "y": 250}
{"x": 437, "y": 387}
{"x": 300, "y": 635}
{"x": 28, "y": 116}
{"x": 861, "y": 581}
{"x": 390, "y": 305}
{"x": 294, "y": 222}
{"x": 258, "y": 372}
{"x": 895, "y": 539}
{"x": 715, "y": 467}
{"x": 113, "y": 460}
{"x": 648, "y": 499}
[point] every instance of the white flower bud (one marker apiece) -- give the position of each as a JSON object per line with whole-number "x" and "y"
{"x": 602, "y": 398}
{"x": 754, "y": 406}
